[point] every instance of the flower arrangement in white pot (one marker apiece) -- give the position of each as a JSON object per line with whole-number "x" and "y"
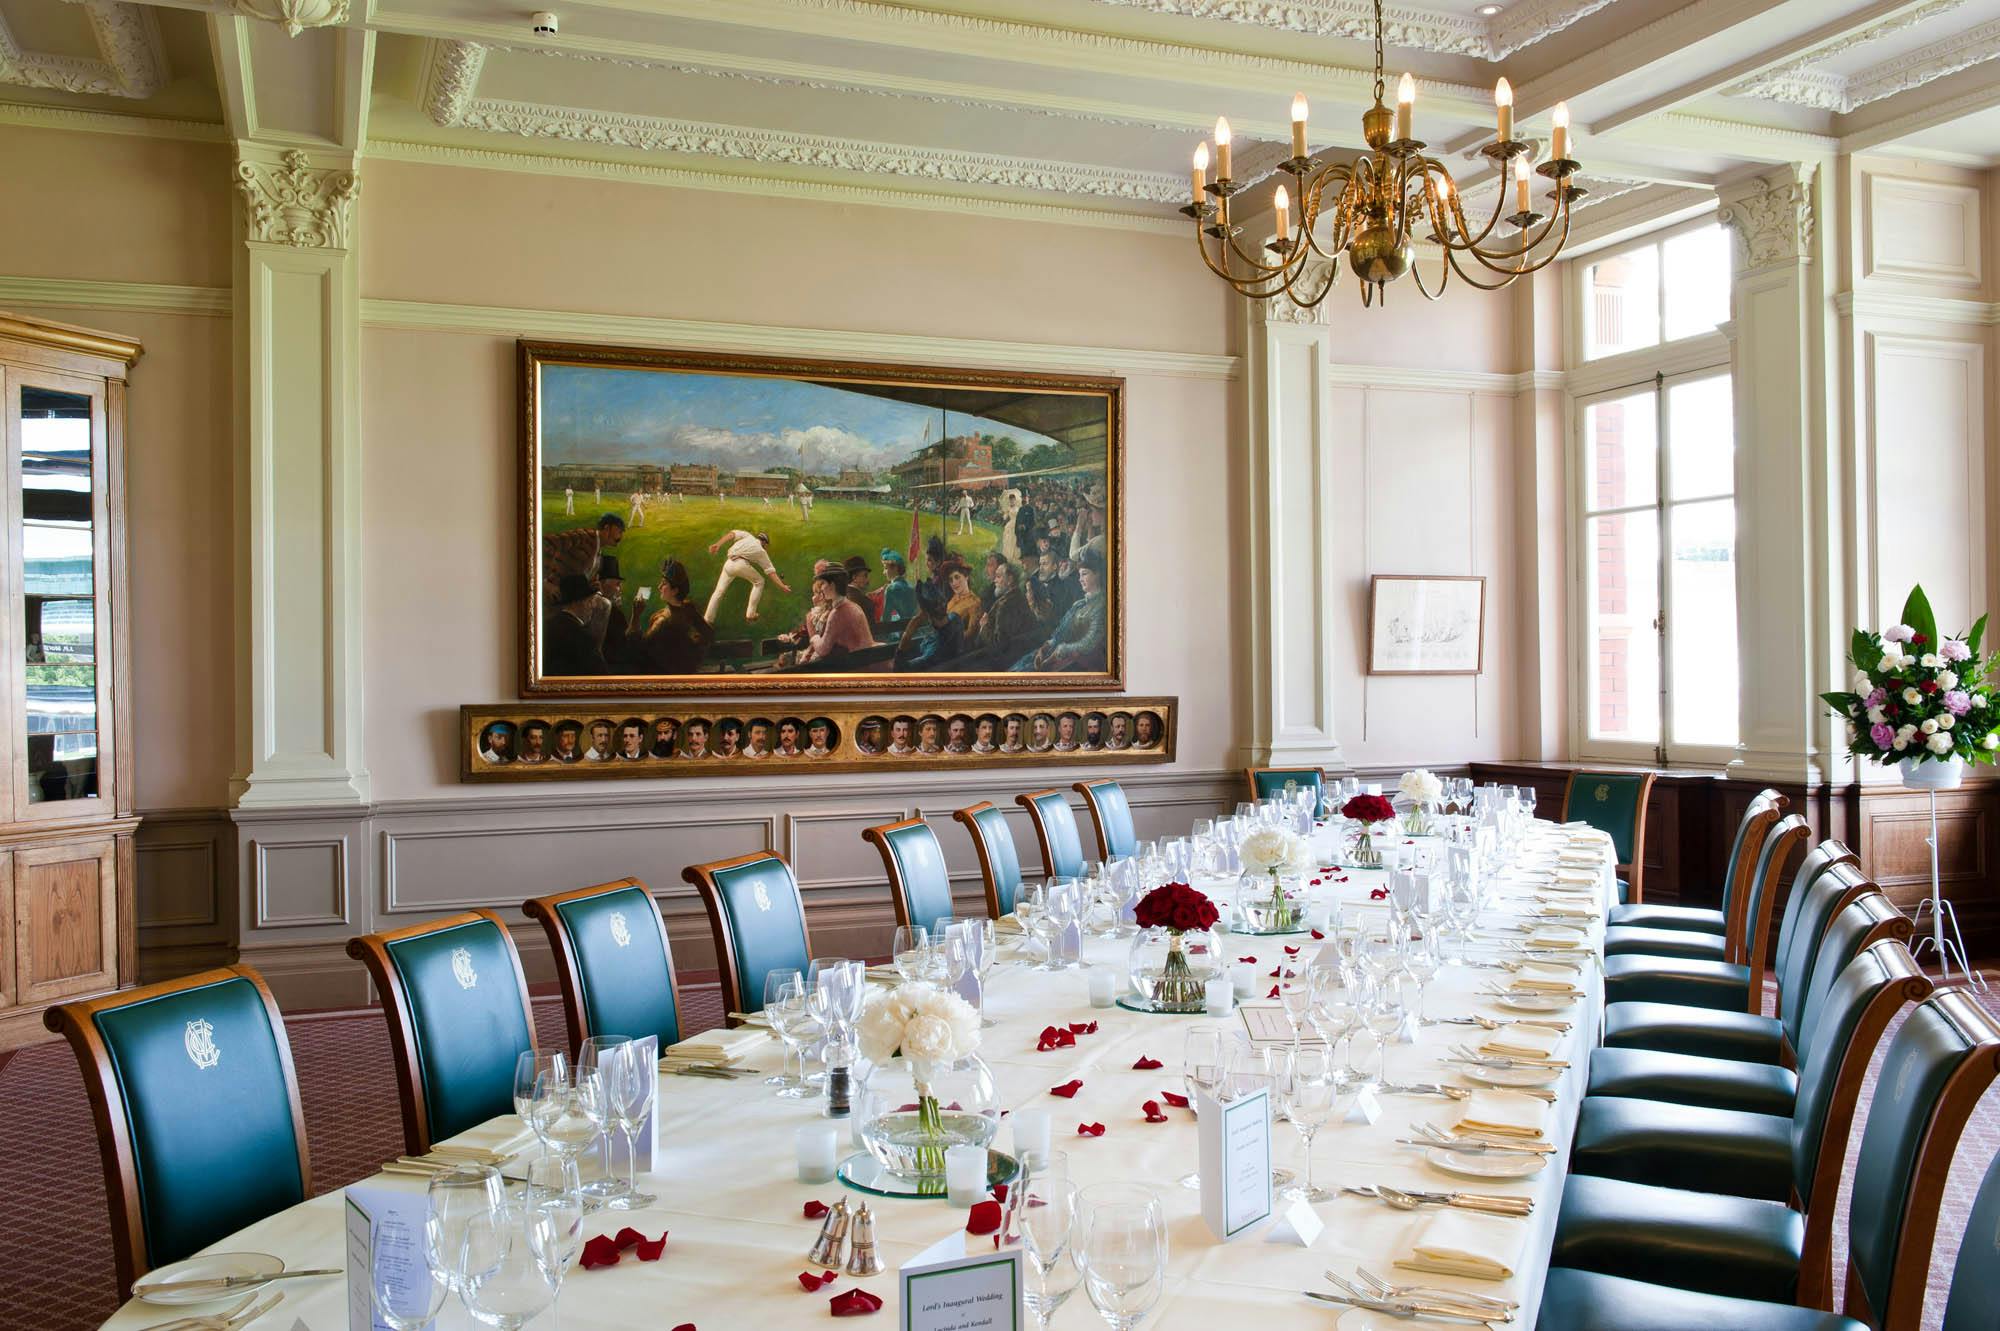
{"x": 1424, "y": 791}
{"x": 1921, "y": 701}
{"x": 920, "y": 1040}
{"x": 1275, "y": 852}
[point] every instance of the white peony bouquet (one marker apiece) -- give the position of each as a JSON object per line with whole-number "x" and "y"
{"x": 1422, "y": 786}
{"x": 1275, "y": 850}
{"x": 929, "y": 1026}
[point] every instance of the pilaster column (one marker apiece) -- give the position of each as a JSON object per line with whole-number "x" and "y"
{"x": 1777, "y": 346}
{"x": 1296, "y": 596}
{"x": 298, "y": 344}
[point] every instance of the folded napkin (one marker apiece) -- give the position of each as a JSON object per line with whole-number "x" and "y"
{"x": 1007, "y": 924}
{"x": 500, "y": 1137}
{"x": 1522, "y": 1042}
{"x": 1504, "y": 1114}
{"x": 1568, "y": 910}
{"x": 1555, "y": 936}
{"x": 1579, "y": 877}
{"x": 719, "y": 1046}
{"x": 1534, "y": 977}
{"x": 1459, "y": 1243}
{"x": 1561, "y": 894}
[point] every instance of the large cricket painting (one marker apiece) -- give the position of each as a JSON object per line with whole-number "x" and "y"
{"x": 730, "y": 524}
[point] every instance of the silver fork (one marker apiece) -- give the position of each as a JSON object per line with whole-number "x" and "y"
{"x": 242, "y": 1316}
{"x": 1432, "y": 1291}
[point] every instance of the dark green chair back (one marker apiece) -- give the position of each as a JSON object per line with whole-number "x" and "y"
{"x": 197, "y": 1108}
{"x": 759, "y": 921}
{"x": 919, "y": 880}
{"x": 1974, "y": 1301}
{"x": 1268, "y": 781}
{"x": 458, "y": 1016}
{"x": 1111, "y": 815}
{"x": 999, "y": 861}
{"x": 1823, "y": 886}
{"x": 1861, "y": 924}
{"x": 1787, "y": 836}
{"x": 614, "y": 961}
{"x": 1055, "y": 828}
{"x": 1612, "y": 802}
{"x": 1941, "y": 1061}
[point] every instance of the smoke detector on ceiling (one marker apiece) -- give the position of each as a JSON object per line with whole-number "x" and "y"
{"x": 545, "y": 24}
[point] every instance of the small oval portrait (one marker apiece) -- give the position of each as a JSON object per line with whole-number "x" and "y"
{"x": 603, "y": 741}
{"x": 1148, "y": 731}
{"x": 791, "y": 740}
{"x": 694, "y": 738}
{"x": 727, "y": 741}
{"x": 1069, "y": 731}
{"x": 872, "y": 735}
{"x": 822, "y": 737}
{"x": 665, "y": 730}
{"x": 986, "y": 733}
{"x": 902, "y": 736}
{"x": 568, "y": 742}
{"x": 1118, "y": 734}
{"x": 496, "y": 742}
{"x": 759, "y": 734}
{"x": 632, "y": 739}
{"x": 1014, "y": 733}
{"x": 958, "y": 733}
{"x": 1094, "y": 726}
{"x": 930, "y": 734}
{"x": 1041, "y": 732}
{"x": 535, "y": 742}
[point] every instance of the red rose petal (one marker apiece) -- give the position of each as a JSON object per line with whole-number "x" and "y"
{"x": 1147, "y": 1064}
{"x": 812, "y": 1284}
{"x": 1000, "y": 1192}
{"x": 1177, "y": 1101}
{"x": 1055, "y": 1037}
{"x": 1248, "y": 961}
{"x": 685, "y": 1326}
{"x": 855, "y": 1303}
{"x": 1291, "y": 951}
{"x": 1154, "y": 1114}
{"x": 1276, "y": 971}
{"x": 1083, "y": 1028}
{"x": 600, "y": 1251}
{"x": 815, "y": 1209}
{"x": 1068, "y": 1089}
{"x": 984, "y": 1218}
{"x": 1274, "y": 990}
{"x": 1379, "y": 894}
{"x": 1317, "y": 935}
{"x": 1090, "y": 1129}
{"x": 629, "y": 1236}
{"x": 649, "y": 1250}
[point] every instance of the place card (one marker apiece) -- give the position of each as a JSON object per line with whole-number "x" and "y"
{"x": 646, "y": 1142}
{"x": 1297, "y": 1223}
{"x": 1366, "y": 1108}
{"x": 1266, "y": 1023}
{"x": 941, "y": 1292}
{"x": 368, "y": 1208}
{"x": 1234, "y": 1151}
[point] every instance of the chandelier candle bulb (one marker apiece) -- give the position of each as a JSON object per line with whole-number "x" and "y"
{"x": 1406, "y": 101}
{"x": 1521, "y": 201}
{"x": 1221, "y": 148}
{"x": 1559, "y": 144}
{"x": 1503, "y": 102}
{"x": 1281, "y": 208}
{"x": 1200, "y": 171}
{"x": 1299, "y": 125}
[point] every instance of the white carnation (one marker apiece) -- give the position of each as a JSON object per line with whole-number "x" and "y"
{"x": 1946, "y": 721}
{"x": 1930, "y": 660}
{"x": 1929, "y": 726}
{"x": 1939, "y": 743}
{"x": 1902, "y": 742}
{"x": 1268, "y": 848}
{"x": 1947, "y": 679}
{"x": 1889, "y": 664}
{"x": 1912, "y": 697}
{"x": 1421, "y": 786}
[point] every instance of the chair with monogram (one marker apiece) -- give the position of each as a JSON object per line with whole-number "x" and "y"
{"x": 459, "y": 1019}
{"x": 1110, "y": 818}
{"x": 197, "y": 1110}
{"x": 919, "y": 879}
{"x": 1615, "y": 803}
{"x": 1055, "y": 829}
{"x": 759, "y": 920}
{"x": 1265, "y": 782}
{"x": 614, "y": 961}
{"x": 999, "y": 860}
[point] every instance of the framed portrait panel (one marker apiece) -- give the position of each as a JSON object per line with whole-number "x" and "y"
{"x": 736, "y": 524}
{"x": 1423, "y": 625}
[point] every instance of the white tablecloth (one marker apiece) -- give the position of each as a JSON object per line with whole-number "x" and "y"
{"x": 729, "y": 1197}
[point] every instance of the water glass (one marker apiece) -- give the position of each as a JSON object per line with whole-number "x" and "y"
{"x": 505, "y": 1285}
{"x": 1045, "y": 1219}
{"x": 1307, "y": 1082}
{"x": 1122, "y": 1249}
{"x": 530, "y": 1065}
{"x": 555, "y": 1207}
{"x": 406, "y": 1290}
{"x": 455, "y": 1199}
{"x": 912, "y": 951}
{"x": 1202, "y": 1067}
{"x": 596, "y": 1069}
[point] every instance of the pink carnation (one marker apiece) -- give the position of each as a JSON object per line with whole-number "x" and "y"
{"x": 1882, "y": 734}
{"x": 1876, "y": 699}
{"x": 1958, "y": 702}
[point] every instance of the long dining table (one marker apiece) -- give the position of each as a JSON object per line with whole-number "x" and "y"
{"x": 728, "y": 1196}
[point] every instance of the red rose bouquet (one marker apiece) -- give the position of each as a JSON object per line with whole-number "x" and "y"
{"x": 1175, "y": 906}
{"x": 1368, "y": 809}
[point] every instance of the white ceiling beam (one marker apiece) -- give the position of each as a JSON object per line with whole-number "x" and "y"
{"x": 1983, "y": 95}
{"x": 355, "y": 67}
{"x": 229, "y": 44}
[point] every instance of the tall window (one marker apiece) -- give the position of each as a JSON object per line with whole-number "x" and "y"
{"x": 1655, "y": 530}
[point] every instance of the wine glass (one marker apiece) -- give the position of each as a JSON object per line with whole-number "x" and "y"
{"x": 1306, "y": 1085}
{"x": 455, "y": 1198}
{"x": 1295, "y": 996}
{"x": 776, "y": 982}
{"x": 1046, "y": 1220}
{"x": 529, "y": 1069}
{"x": 558, "y": 1115}
{"x": 1201, "y": 1073}
{"x": 1122, "y": 1249}
{"x": 785, "y": 1009}
{"x": 912, "y": 951}
{"x": 635, "y": 1082}
{"x": 1383, "y": 1016}
{"x": 505, "y": 1285}
{"x": 1335, "y": 1012}
{"x": 1421, "y": 958}
{"x": 596, "y": 1067}
{"x": 407, "y": 1292}
{"x": 554, "y": 1198}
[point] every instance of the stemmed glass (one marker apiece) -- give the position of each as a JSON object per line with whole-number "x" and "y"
{"x": 775, "y": 982}
{"x": 529, "y": 1069}
{"x": 407, "y": 1292}
{"x": 1335, "y": 1010}
{"x": 596, "y": 1068}
{"x": 912, "y": 951}
{"x": 785, "y": 1008}
{"x": 1421, "y": 960}
{"x": 1295, "y": 995}
{"x": 554, "y": 1200}
{"x": 456, "y": 1197}
{"x": 1307, "y": 1083}
{"x": 634, "y": 1083}
{"x": 505, "y": 1285}
{"x": 1122, "y": 1249}
{"x": 1201, "y": 1073}
{"x": 1045, "y": 1217}
{"x": 1383, "y": 1016}
{"x": 558, "y": 1115}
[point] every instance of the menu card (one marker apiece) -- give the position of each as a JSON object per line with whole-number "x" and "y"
{"x": 942, "y": 1292}
{"x": 404, "y": 1213}
{"x": 1234, "y": 1147}
{"x": 973, "y": 939}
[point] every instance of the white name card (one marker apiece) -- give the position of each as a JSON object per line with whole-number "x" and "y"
{"x": 977, "y": 1293}
{"x": 404, "y": 1213}
{"x": 1267, "y": 1023}
{"x": 1234, "y": 1139}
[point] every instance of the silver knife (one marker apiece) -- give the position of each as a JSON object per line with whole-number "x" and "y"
{"x": 1410, "y": 1311}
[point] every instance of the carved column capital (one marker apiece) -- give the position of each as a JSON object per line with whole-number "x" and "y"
{"x": 296, "y": 15}
{"x": 292, "y": 202}
{"x": 1772, "y": 217}
{"x": 1282, "y": 309}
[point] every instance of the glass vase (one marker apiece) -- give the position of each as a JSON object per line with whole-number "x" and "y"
{"x": 1268, "y": 905}
{"x": 1361, "y": 850}
{"x": 912, "y": 1112}
{"x": 1171, "y": 968}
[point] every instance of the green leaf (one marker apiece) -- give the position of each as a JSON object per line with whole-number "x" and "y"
{"x": 1840, "y": 702}
{"x": 1918, "y": 615}
{"x": 1972, "y": 638}
{"x": 1866, "y": 650}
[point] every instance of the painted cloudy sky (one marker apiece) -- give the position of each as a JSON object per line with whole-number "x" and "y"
{"x": 594, "y": 414}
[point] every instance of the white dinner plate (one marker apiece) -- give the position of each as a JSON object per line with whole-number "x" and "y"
{"x": 1534, "y": 1002}
{"x": 1484, "y": 1164}
{"x": 157, "y": 1286}
{"x": 1516, "y": 1076}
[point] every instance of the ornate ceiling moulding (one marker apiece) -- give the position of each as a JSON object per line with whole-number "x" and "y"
{"x": 1416, "y": 29}
{"x": 1802, "y": 81}
{"x": 292, "y": 202}
{"x": 296, "y": 15}
{"x": 131, "y": 64}
{"x": 1773, "y": 222}
{"x": 451, "y": 77}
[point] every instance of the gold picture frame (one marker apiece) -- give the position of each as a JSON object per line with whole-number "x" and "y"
{"x": 495, "y": 743}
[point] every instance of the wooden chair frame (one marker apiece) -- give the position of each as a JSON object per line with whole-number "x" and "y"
{"x": 1961, "y": 1094}
{"x": 1791, "y": 833}
{"x": 1250, "y": 776}
{"x": 575, "y": 1020}
{"x": 1083, "y": 788}
{"x": 728, "y": 966}
{"x": 968, "y": 818}
{"x": 1634, "y": 872}
{"x": 899, "y": 891}
{"x": 1027, "y": 801}
{"x": 1763, "y": 815}
{"x": 76, "y": 1023}
{"x": 372, "y": 951}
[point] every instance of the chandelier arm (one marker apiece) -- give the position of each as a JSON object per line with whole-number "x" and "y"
{"x": 1255, "y": 285}
{"x": 1470, "y": 280}
{"x": 1522, "y": 251}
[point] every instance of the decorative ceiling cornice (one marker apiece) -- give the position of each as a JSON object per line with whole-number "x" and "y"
{"x": 1403, "y": 26}
{"x": 1803, "y": 81}
{"x": 451, "y": 77}
{"x": 131, "y": 60}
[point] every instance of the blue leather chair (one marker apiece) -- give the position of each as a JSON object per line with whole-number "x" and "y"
{"x": 999, "y": 860}
{"x": 1055, "y": 829}
{"x": 759, "y": 920}
{"x": 197, "y": 1109}
{"x": 614, "y": 961}
{"x": 1110, "y": 817}
{"x": 459, "y": 1019}
{"x": 1681, "y": 931}
{"x": 1615, "y": 803}
{"x": 1937, "y": 1067}
{"x": 919, "y": 879}
{"x": 1264, "y": 782}
{"x": 1765, "y": 808}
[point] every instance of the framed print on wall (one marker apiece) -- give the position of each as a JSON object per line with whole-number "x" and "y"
{"x": 736, "y": 524}
{"x": 1425, "y": 625}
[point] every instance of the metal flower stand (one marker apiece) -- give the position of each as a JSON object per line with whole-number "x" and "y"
{"x": 1944, "y": 938}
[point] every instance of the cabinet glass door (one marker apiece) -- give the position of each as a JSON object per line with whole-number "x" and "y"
{"x": 56, "y": 624}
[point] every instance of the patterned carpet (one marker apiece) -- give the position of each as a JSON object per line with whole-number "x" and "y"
{"x": 54, "y": 1238}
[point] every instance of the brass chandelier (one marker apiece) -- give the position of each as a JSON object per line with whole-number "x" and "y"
{"x": 1379, "y": 204}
